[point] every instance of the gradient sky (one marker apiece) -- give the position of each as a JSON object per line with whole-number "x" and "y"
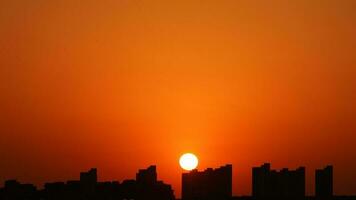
{"x": 122, "y": 84}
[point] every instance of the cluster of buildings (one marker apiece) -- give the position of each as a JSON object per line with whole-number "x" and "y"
{"x": 273, "y": 183}
{"x": 210, "y": 184}
{"x": 216, "y": 184}
{"x": 144, "y": 187}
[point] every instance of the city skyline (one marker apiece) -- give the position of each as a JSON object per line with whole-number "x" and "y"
{"x": 217, "y": 182}
{"x": 210, "y": 184}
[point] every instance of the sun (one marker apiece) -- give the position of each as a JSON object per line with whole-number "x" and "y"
{"x": 188, "y": 161}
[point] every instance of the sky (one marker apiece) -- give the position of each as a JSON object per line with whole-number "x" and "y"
{"x": 123, "y": 84}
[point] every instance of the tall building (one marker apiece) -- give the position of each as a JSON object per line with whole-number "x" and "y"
{"x": 147, "y": 186}
{"x": 260, "y": 179}
{"x": 284, "y": 183}
{"x": 88, "y": 180}
{"x": 89, "y": 177}
{"x": 147, "y": 176}
{"x": 324, "y": 182}
{"x": 210, "y": 184}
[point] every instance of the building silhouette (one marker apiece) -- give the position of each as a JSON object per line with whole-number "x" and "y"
{"x": 324, "y": 182}
{"x": 210, "y": 184}
{"x": 15, "y": 190}
{"x": 267, "y": 183}
{"x": 145, "y": 187}
{"x": 88, "y": 181}
{"x": 149, "y": 188}
{"x": 147, "y": 176}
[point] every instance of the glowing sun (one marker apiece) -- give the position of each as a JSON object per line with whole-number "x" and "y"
{"x": 188, "y": 161}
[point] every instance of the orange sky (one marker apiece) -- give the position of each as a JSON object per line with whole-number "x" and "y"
{"x": 121, "y": 84}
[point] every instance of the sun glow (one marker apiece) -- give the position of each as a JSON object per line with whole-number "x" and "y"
{"x": 188, "y": 161}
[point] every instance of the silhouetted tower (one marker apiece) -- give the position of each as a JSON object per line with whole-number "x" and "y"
{"x": 89, "y": 177}
{"x": 260, "y": 179}
{"x": 147, "y": 176}
{"x": 268, "y": 183}
{"x": 88, "y": 180}
{"x": 208, "y": 184}
{"x": 148, "y": 187}
{"x": 324, "y": 182}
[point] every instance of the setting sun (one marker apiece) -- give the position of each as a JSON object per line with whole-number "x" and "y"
{"x": 188, "y": 161}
